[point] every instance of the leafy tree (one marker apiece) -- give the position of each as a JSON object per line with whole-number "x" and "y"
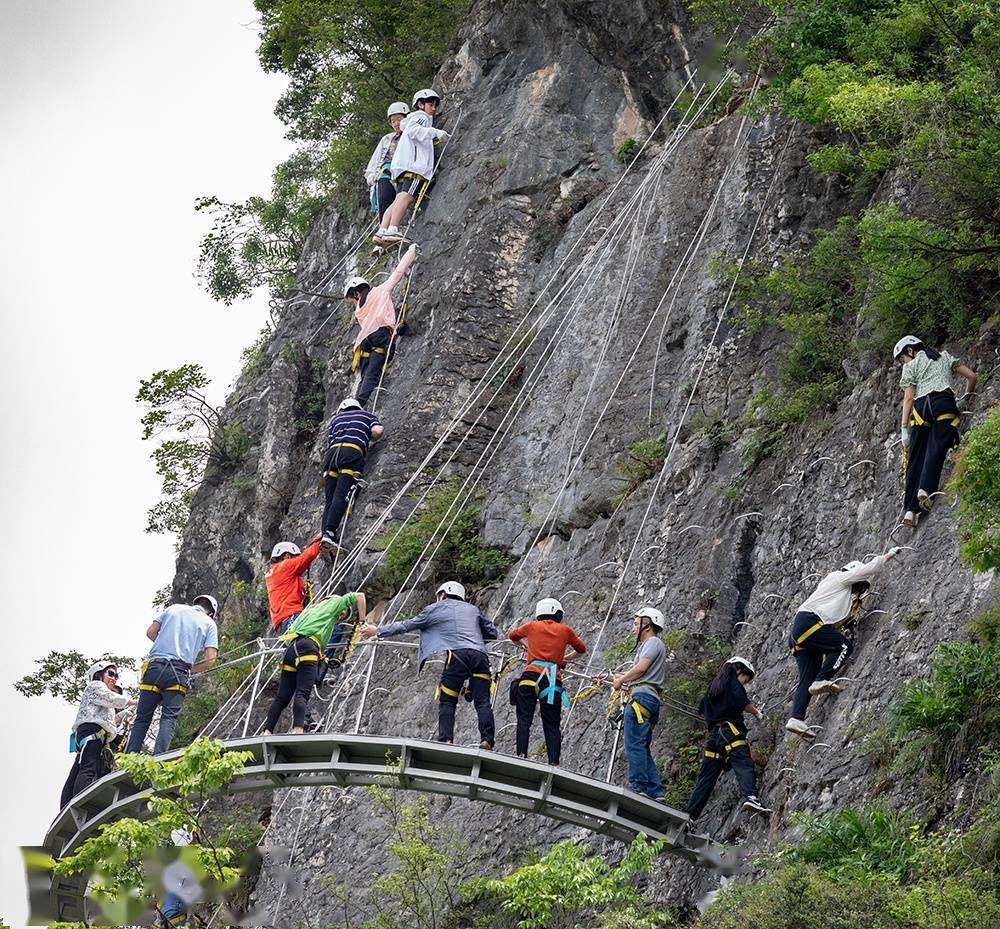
{"x": 119, "y": 857}
{"x": 64, "y": 674}
{"x": 193, "y": 440}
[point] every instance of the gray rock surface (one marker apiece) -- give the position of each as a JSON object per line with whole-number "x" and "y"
{"x": 542, "y": 94}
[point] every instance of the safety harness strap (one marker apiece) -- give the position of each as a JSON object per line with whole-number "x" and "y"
{"x": 797, "y": 647}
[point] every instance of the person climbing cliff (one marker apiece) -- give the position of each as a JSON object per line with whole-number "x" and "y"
{"x": 817, "y": 640}
{"x": 179, "y": 635}
{"x": 349, "y": 435}
{"x": 94, "y": 729}
{"x": 458, "y": 629}
{"x": 286, "y": 589}
{"x": 308, "y": 636}
{"x": 377, "y": 173}
{"x": 376, "y": 316}
{"x": 545, "y": 642}
{"x": 641, "y": 701}
{"x": 930, "y": 419}
{"x": 413, "y": 162}
{"x": 723, "y": 707}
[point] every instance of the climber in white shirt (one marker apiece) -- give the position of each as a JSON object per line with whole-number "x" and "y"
{"x": 412, "y": 163}
{"x": 378, "y": 172}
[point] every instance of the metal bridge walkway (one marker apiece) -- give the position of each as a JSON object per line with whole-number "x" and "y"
{"x": 412, "y": 764}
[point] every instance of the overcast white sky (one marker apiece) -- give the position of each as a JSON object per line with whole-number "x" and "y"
{"x": 115, "y": 116}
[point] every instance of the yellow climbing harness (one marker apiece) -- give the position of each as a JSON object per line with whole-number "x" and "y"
{"x": 359, "y": 354}
{"x": 153, "y": 688}
{"x": 797, "y": 643}
{"x": 727, "y": 746}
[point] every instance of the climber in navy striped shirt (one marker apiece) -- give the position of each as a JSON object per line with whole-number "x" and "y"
{"x": 352, "y": 430}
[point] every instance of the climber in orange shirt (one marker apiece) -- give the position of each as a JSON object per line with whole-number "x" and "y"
{"x": 286, "y": 590}
{"x": 545, "y": 640}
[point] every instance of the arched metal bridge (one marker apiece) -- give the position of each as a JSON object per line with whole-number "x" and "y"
{"x": 428, "y": 767}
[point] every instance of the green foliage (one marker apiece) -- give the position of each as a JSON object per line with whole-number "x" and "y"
{"x": 118, "y": 855}
{"x": 977, "y": 483}
{"x": 257, "y": 243}
{"x": 643, "y": 461}
{"x": 627, "y": 151}
{"x": 63, "y": 675}
{"x": 458, "y": 551}
{"x": 717, "y": 430}
{"x": 569, "y": 880}
{"x": 193, "y": 440}
{"x": 254, "y": 356}
{"x": 872, "y": 838}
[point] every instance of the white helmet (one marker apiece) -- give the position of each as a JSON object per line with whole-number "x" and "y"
{"x": 285, "y": 548}
{"x": 452, "y": 589}
{"x": 353, "y": 282}
{"x": 738, "y": 659}
{"x": 653, "y": 615}
{"x": 349, "y": 403}
{"x": 905, "y": 342}
{"x": 100, "y": 666}
{"x": 213, "y": 604}
{"x": 548, "y": 606}
{"x": 428, "y": 93}
{"x": 397, "y": 109}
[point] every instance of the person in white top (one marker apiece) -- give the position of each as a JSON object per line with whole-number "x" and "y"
{"x": 819, "y": 646}
{"x": 377, "y": 174}
{"x": 413, "y": 162}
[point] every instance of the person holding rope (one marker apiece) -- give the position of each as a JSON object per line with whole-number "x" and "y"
{"x": 412, "y": 165}
{"x": 817, "y": 641}
{"x": 460, "y": 630}
{"x": 545, "y": 642}
{"x": 308, "y": 637}
{"x": 179, "y": 635}
{"x": 930, "y": 419}
{"x": 377, "y": 173}
{"x": 376, "y": 316}
{"x": 94, "y": 729}
{"x": 349, "y": 435}
{"x": 286, "y": 589}
{"x": 641, "y": 701}
{"x": 723, "y": 707}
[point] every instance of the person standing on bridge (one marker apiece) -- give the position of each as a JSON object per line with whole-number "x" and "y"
{"x": 460, "y": 630}
{"x": 308, "y": 637}
{"x": 723, "y": 707}
{"x": 641, "y": 701}
{"x": 350, "y": 433}
{"x": 286, "y": 589}
{"x": 545, "y": 642}
{"x": 817, "y": 641}
{"x": 179, "y": 635}
{"x": 376, "y": 316}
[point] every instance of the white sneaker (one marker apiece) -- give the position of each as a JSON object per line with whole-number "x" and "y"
{"x": 753, "y": 803}
{"x": 389, "y": 235}
{"x": 910, "y": 519}
{"x": 924, "y": 500}
{"x": 822, "y": 687}
{"x": 798, "y": 727}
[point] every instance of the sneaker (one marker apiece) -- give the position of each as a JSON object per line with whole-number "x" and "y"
{"x": 798, "y": 727}
{"x": 329, "y": 548}
{"x": 753, "y": 803}
{"x": 910, "y": 519}
{"x": 388, "y": 236}
{"x": 486, "y": 746}
{"x": 822, "y": 687}
{"x": 924, "y": 500}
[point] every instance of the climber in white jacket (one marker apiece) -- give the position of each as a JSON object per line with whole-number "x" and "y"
{"x": 816, "y": 640}
{"x": 413, "y": 162}
{"x": 377, "y": 174}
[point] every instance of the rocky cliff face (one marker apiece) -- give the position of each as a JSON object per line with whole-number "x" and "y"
{"x": 541, "y": 95}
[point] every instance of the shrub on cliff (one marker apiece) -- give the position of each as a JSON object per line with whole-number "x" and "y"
{"x": 977, "y": 483}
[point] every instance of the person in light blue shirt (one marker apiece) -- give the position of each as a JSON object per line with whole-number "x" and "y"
{"x": 179, "y": 635}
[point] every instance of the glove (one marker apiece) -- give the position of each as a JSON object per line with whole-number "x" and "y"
{"x": 443, "y": 136}
{"x": 894, "y": 551}
{"x": 904, "y": 433}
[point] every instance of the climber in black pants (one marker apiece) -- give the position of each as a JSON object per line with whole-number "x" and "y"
{"x": 461, "y": 666}
{"x": 351, "y": 431}
{"x": 817, "y": 642}
{"x": 726, "y": 747}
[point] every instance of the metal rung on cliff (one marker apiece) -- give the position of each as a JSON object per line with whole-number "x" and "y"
{"x": 428, "y": 767}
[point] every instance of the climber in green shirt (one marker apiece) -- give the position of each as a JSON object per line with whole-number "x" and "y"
{"x": 309, "y": 635}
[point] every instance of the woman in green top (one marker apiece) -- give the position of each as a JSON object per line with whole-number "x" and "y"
{"x": 309, "y": 635}
{"x": 930, "y": 419}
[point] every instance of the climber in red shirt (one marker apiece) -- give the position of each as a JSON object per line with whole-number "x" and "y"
{"x": 286, "y": 590}
{"x": 545, "y": 640}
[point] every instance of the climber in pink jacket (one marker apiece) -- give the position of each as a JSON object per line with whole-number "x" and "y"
{"x": 376, "y": 315}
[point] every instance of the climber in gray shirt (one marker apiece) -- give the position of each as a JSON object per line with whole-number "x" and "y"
{"x": 459, "y": 629}
{"x": 642, "y": 703}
